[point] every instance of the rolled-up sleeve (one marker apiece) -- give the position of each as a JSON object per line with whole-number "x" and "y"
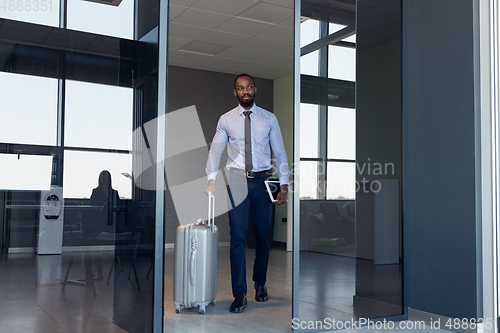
{"x": 218, "y": 144}
{"x": 279, "y": 152}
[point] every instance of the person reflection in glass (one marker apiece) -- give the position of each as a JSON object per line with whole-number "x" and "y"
{"x": 103, "y": 197}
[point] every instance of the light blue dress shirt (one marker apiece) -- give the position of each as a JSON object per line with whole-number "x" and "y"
{"x": 231, "y": 133}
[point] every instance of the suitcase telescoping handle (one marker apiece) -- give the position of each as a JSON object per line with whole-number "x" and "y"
{"x": 211, "y": 211}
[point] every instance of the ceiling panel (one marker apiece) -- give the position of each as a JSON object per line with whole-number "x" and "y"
{"x": 179, "y": 63}
{"x": 244, "y": 27}
{"x": 275, "y": 60}
{"x": 223, "y": 38}
{"x": 286, "y": 50}
{"x": 277, "y": 33}
{"x": 238, "y": 53}
{"x": 228, "y": 7}
{"x": 202, "y": 47}
{"x": 288, "y": 23}
{"x": 175, "y": 43}
{"x": 186, "y": 31}
{"x": 260, "y": 45}
{"x": 222, "y": 62}
{"x": 267, "y": 12}
{"x": 201, "y": 18}
{"x": 233, "y": 36}
{"x": 175, "y": 10}
{"x": 185, "y": 3}
{"x": 189, "y": 57}
{"x": 284, "y": 3}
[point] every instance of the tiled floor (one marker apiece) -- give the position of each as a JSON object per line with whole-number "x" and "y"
{"x": 272, "y": 316}
{"x": 33, "y": 300}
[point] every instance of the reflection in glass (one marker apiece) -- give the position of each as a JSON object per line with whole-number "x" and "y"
{"x": 308, "y": 180}
{"x": 98, "y": 116}
{"x": 102, "y": 19}
{"x": 309, "y": 64}
{"x": 82, "y": 169}
{"x": 333, "y": 27}
{"x": 309, "y": 32}
{"x": 344, "y": 231}
{"x": 341, "y": 63}
{"x": 309, "y": 130}
{"x": 30, "y": 109}
{"x": 45, "y": 12}
{"x": 25, "y": 172}
{"x": 67, "y": 133}
{"x": 341, "y": 133}
{"x": 340, "y": 181}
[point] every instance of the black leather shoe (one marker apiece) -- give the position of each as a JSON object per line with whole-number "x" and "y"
{"x": 239, "y": 304}
{"x": 260, "y": 293}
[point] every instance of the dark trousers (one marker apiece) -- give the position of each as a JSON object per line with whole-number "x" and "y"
{"x": 248, "y": 197}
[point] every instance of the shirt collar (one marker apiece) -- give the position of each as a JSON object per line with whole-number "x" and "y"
{"x": 241, "y": 109}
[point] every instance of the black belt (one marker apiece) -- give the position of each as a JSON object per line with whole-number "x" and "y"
{"x": 252, "y": 174}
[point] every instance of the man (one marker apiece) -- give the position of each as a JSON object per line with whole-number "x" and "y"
{"x": 247, "y": 130}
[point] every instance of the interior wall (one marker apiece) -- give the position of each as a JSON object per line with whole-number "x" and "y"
{"x": 283, "y": 109}
{"x": 439, "y": 163}
{"x": 378, "y": 111}
{"x": 212, "y": 94}
{"x": 378, "y": 130}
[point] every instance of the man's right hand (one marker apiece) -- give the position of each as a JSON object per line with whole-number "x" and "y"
{"x": 210, "y": 187}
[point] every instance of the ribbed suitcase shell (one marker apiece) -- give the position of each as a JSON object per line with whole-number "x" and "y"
{"x": 195, "y": 266}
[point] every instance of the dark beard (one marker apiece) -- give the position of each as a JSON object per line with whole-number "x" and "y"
{"x": 247, "y": 104}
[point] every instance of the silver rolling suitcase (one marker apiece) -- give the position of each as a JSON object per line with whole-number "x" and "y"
{"x": 195, "y": 262}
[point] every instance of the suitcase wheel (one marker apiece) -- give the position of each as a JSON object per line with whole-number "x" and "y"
{"x": 213, "y": 302}
{"x": 177, "y": 309}
{"x": 202, "y": 310}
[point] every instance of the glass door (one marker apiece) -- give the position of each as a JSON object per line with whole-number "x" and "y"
{"x": 347, "y": 255}
{"x": 78, "y": 217}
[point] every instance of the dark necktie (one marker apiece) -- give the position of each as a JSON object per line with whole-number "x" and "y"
{"x": 248, "y": 142}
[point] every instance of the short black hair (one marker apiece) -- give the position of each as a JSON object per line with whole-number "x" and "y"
{"x": 243, "y": 75}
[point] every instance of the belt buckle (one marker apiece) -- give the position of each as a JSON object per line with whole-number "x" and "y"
{"x": 249, "y": 174}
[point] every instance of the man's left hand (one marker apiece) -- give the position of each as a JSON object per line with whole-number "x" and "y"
{"x": 282, "y": 196}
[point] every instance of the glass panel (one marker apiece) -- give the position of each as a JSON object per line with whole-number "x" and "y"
{"x": 309, "y": 64}
{"x": 341, "y": 63}
{"x": 341, "y": 133}
{"x": 309, "y": 31}
{"x": 54, "y": 196}
{"x": 308, "y": 180}
{"x": 341, "y": 181}
{"x": 332, "y": 28}
{"x": 343, "y": 274}
{"x": 103, "y": 121}
{"x": 309, "y": 130}
{"x": 25, "y": 172}
{"x": 30, "y": 109}
{"x": 45, "y": 12}
{"x": 82, "y": 169}
{"x": 111, "y": 18}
